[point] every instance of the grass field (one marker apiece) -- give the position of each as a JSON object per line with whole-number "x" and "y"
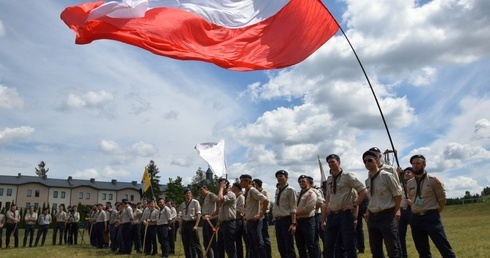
{"x": 467, "y": 227}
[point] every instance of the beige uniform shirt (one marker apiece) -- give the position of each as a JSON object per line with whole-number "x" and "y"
{"x": 306, "y": 201}
{"x": 11, "y": 215}
{"x": 190, "y": 210}
{"x": 252, "y": 202}
{"x": 384, "y": 189}
{"x": 431, "y": 192}
{"x": 227, "y": 210}
{"x": 240, "y": 206}
{"x": 30, "y": 219}
{"x": 346, "y": 182}
{"x": 285, "y": 203}
{"x": 100, "y": 216}
{"x": 126, "y": 215}
{"x": 61, "y": 216}
{"x": 209, "y": 204}
{"x": 164, "y": 216}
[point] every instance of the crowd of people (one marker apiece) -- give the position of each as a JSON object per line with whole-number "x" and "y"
{"x": 312, "y": 222}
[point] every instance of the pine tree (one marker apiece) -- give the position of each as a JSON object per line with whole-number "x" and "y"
{"x": 154, "y": 191}
{"x": 175, "y": 190}
{"x": 41, "y": 170}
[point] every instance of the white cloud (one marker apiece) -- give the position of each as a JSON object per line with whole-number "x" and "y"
{"x": 45, "y": 148}
{"x": 482, "y": 128}
{"x": 110, "y": 147}
{"x": 9, "y": 97}
{"x": 9, "y": 135}
{"x": 2, "y": 30}
{"x": 90, "y": 99}
{"x": 144, "y": 149}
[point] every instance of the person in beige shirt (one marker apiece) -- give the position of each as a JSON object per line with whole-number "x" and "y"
{"x": 208, "y": 209}
{"x": 255, "y": 208}
{"x": 12, "y": 220}
{"x": 427, "y": 198}
{"x": 340, "y": 214}
{"x": 227, "y": 219}
{"x": 257, "y": 183}
{"x": 189, "y": 222}
{"x": 240, "y": 227}
{"x": 385, "y": 195}
{"x": 305, "y": 218}
{"x": 30, "y": 219}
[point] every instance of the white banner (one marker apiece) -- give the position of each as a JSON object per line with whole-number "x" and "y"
{"x": 214, "y": 154}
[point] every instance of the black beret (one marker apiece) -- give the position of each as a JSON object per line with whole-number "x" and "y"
{"x": 258, "y": 182}
{"x": 375, "y": 149}
{"x": 408, "y": 168}
{"x": 237, "y": 185}
{"x": 370, "y": 153}
{"x": 186, "y": 190}
{"x": 332, "y": 156}
{"x": 282, "y": 172}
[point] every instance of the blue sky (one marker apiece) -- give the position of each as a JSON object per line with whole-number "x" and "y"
{"x": 105, "y": 109}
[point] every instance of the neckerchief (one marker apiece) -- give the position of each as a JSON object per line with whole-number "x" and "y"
{"x": 372, "y": 181}
{"x": 335, "y": 181}
{"x": 419, "y": 186}
{"x": 279, "y": 194}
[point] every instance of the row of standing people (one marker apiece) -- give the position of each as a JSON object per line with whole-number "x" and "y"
{"x": 66, "y": 224}
{"x": 298, "y": 223}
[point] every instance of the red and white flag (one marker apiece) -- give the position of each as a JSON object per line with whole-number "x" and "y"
{"x": 214, "y": 154}
{"x": 238, "y": 35}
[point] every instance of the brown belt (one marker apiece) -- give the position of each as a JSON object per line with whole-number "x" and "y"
{"x": 422, "y": 213}
{"x": 282, "y": 217}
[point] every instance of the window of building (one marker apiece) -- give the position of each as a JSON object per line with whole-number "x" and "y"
{"x": 29, "y": 193}
{"x": 125, "y": 196}
{"x": 36, "y": 205}
{"x": 104, "y": 196}
{"x": 87, "y": 196}
{"x": 55, "y": 206}
{"x": 9, "y": 192}
{"x": 131, "y": 198}
{"x": 80, "y": 195}
{"x": 55, "y": 194}
{"x": 28, "y": 205}
{"x": 37, "y": 193}
{"x": 110, "y": 197}
{"x": 63, "y": 194}
{"x": 1, "y": 191}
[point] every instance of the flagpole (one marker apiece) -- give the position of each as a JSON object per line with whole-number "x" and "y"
{"x": 370, "y": 86}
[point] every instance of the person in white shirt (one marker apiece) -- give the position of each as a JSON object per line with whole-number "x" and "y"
{"x": 43, "y": 225}
{"x": 30, "y": 219}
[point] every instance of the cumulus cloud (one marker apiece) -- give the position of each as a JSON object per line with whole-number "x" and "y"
{"x": 101, "y": 174}
{"x": 482, "y": 128}
{"x": 109, "y": 147}
{"x": 15, "y": 163}
{"x": 9, "y": 135}
{"x": 9, "y": 97}
{"x": 457, "y": 186}
{"x": 143, "y": 149}
{"x": 45, "y": 148}
{"x": 90, "y": 99}
{"x": 181, "y": 162}
{"x": 171, "y": 115}
{"x": 2, "y": 30}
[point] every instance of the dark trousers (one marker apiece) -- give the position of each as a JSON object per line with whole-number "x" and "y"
{"x": 190, "y": 240}
{"x": 255, "y": 240}
{"x": 207, "y": 233}
{"x": 29, "y": 230}
{"x": 1, "y": 234}
{"x": 41, "y": 230}
{"x": 305, "y": 238}
{"x": 320, "y": 236}
{"x": 239, "y": 235}
{"x": 99, "y": 234}
{"x": 73, "y": 233}
{"x": 226, "y": 239}
{"x": 266, "y": 237}
{"x": 360, "y": 234}
{"x": 285, "y": 240}
{"x": 113, "y": 230}
{"x": 403, "y": 222}
{"x": 162, "y": 233}
{"x": 136, "y": 229}
{"x": 340, "y": 230}
{"x": 430, "y": 225}
{"x": 59, "y": 226}
{"x": 126, "y": 243}
{"x": 383, "y": 227}
{"x": 92, "y": 234}
{"x": 171, "y": 238}
{"x": 151, "y": 240}
{"x": 12, "y": 228}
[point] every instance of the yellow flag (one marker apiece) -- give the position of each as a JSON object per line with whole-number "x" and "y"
{"x": 146, "y": 180}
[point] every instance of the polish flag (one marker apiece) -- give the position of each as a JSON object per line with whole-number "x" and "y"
{"x": 239, "y": 35}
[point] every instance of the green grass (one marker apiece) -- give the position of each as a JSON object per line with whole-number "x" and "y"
{"x": 466, "y": 227}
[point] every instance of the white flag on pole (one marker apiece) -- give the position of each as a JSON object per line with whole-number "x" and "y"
{"x": 214, "y": 154}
